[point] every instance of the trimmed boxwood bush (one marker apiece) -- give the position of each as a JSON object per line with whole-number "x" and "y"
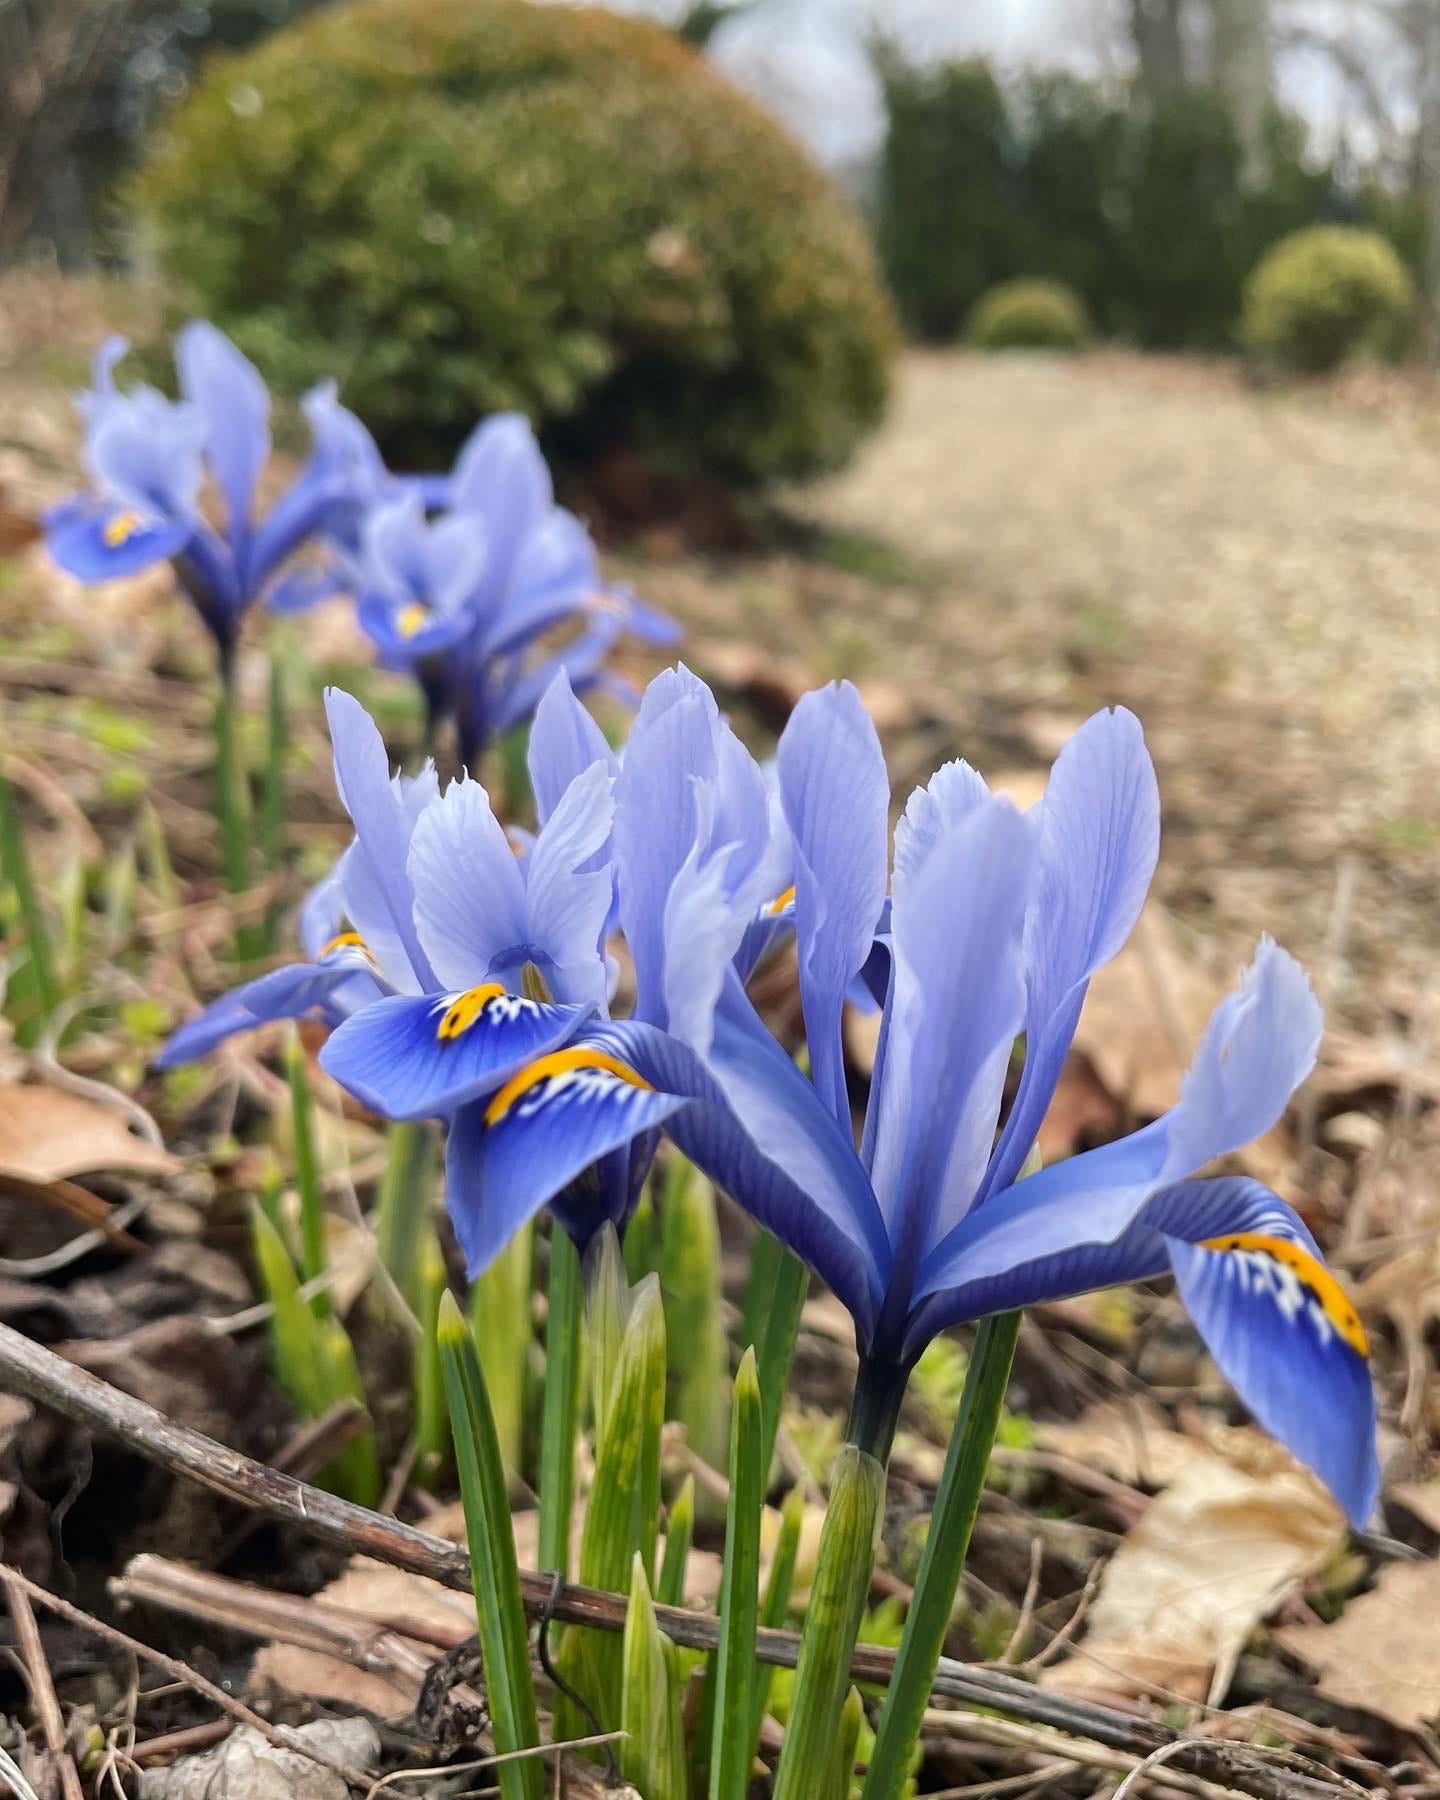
{"x": 461, "y": 207}
{"x": 1029, "y": 315}
{"x": 1322, "y": 294}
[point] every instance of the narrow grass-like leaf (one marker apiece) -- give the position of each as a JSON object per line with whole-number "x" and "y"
{"x": 355, "y": 1472}
{"x": 622, "y": 1519}
{"x": 679, "y": 1532}
{"x": 775, "y": 1347}
{"x": 694, "y": 1315}
{"x": 838, "y": 1593}
{"x": 504, "y": 1639}
{"x": 759, "y": 1286}
{"x": 403, "y": 1211}
{"x": 560, "y": 1416}
{"x": 314, "y": 1251}
{"x": 121, "y": 882}
{"x": 775, "y": 1605}
{"x": 946, "y": 1544}
{"x": 504, "y": 1333}
{"x": 40, "y": 965}
{"x": 730, "y": 1754}
{"x": 607, "y": 1304}
{"x": 292, "y": 1324}
{"x": 432, "y": 1421}
{"x": 159, "y": 870}
{"x": 641, "y": 1246}
{"x": 842, "y": 1768}
{"x": 652, "y": 1755}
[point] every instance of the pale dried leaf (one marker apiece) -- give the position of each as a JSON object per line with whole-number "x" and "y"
{"x": 1383, "y": 1652}
{"x": 1213, "y": 1554}
{"x": 374, "y": 1590}
{"x": 247, "y": 1766}
{"x": 1419, "y": 1498}
{"x": 1132, "y": 1440}
{"x": 49, "y": 1135}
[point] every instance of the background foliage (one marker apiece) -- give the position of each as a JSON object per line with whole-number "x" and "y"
{"x": 1145, "y": 204}
{"x": 543, "y": 207}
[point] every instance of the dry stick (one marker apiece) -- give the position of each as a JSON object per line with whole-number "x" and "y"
{"x": 42, "y": 1687}
{"x": 278, "y": 1735}
{"x": 85, "y": 1398}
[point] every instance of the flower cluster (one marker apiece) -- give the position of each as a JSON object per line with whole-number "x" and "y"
{"x": 477, "y": 584}
{"x": 468, "y": 977}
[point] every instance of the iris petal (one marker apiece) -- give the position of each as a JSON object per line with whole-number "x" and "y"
{"x": 539, "y": 1135}
{"x": 409, "y": 1058}
{"x": 1099, "y": 837}
{"x": 288, "y": 993}
{"x": 836, "y": 796}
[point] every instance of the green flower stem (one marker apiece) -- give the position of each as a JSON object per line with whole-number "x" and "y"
{"x": 404, "y": 1204}
{"x": 730, "y": 1753}
{"x": 946, "y": 1544}
{"x": 832, "y": 1621}
{"x": 504, "y": 1636}
{"x": 432, "y": 1422}
{"x": 232, "y": 797}
{"x": 560, "y": 1416}
{"x": 272, "y": 793}
{"x": 314, "y": 1252}
{"x": 778, "y": 1328}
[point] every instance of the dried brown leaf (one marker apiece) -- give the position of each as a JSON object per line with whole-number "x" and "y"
{"x": 1213, "y": 1554}
{"x": 48, "y": 1135}
{"x": 1383, "y": 1652}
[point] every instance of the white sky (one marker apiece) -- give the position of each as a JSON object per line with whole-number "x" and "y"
{"x": 805, "y": 59}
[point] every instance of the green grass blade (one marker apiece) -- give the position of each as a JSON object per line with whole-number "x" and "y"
{"x": 946, "y": 1544}
{"x": 622, "y": 1519}
{"x": 355, "y": 1472}
{"x": 838, "y": 1593}
{"x": 504, "y": 1333}
{"x": 504, "y": 1638}
{"x": 16, "y": 869}
{"x": 292, "y": 1324}
{"x": 652, "y": 1755}
{"x": 775, "y": 1605}
{"x": 314, "y": 1251}
{"x": 560, "y": 1416}
{"x": 694, "y": 1310}
{"x": 607, "y": 1303}
{"x": 730, "y": 1755}
{"x": 842, "y": 1768}
{"x": 759, "y": 1285}
{"x": 679, "y": 1533}
{"x": 775, "y": 1347}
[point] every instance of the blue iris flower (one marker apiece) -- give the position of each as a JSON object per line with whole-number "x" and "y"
{"x": 468, "y": 599}
{"x": 452, "y": 957}
{"x": 150, "y": 460}
{"x": 993, "y": 926}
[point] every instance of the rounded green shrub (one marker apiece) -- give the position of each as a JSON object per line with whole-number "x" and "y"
{"x": 1322, "y": 294}
{"x": 455, "y": 208}
{"x": 1029, "y": 314}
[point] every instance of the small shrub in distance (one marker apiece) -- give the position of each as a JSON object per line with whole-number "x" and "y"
{"x": 1029, "y": 314}
{"x": 458, "y": 209}
{"x": 1324, "y": 294}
